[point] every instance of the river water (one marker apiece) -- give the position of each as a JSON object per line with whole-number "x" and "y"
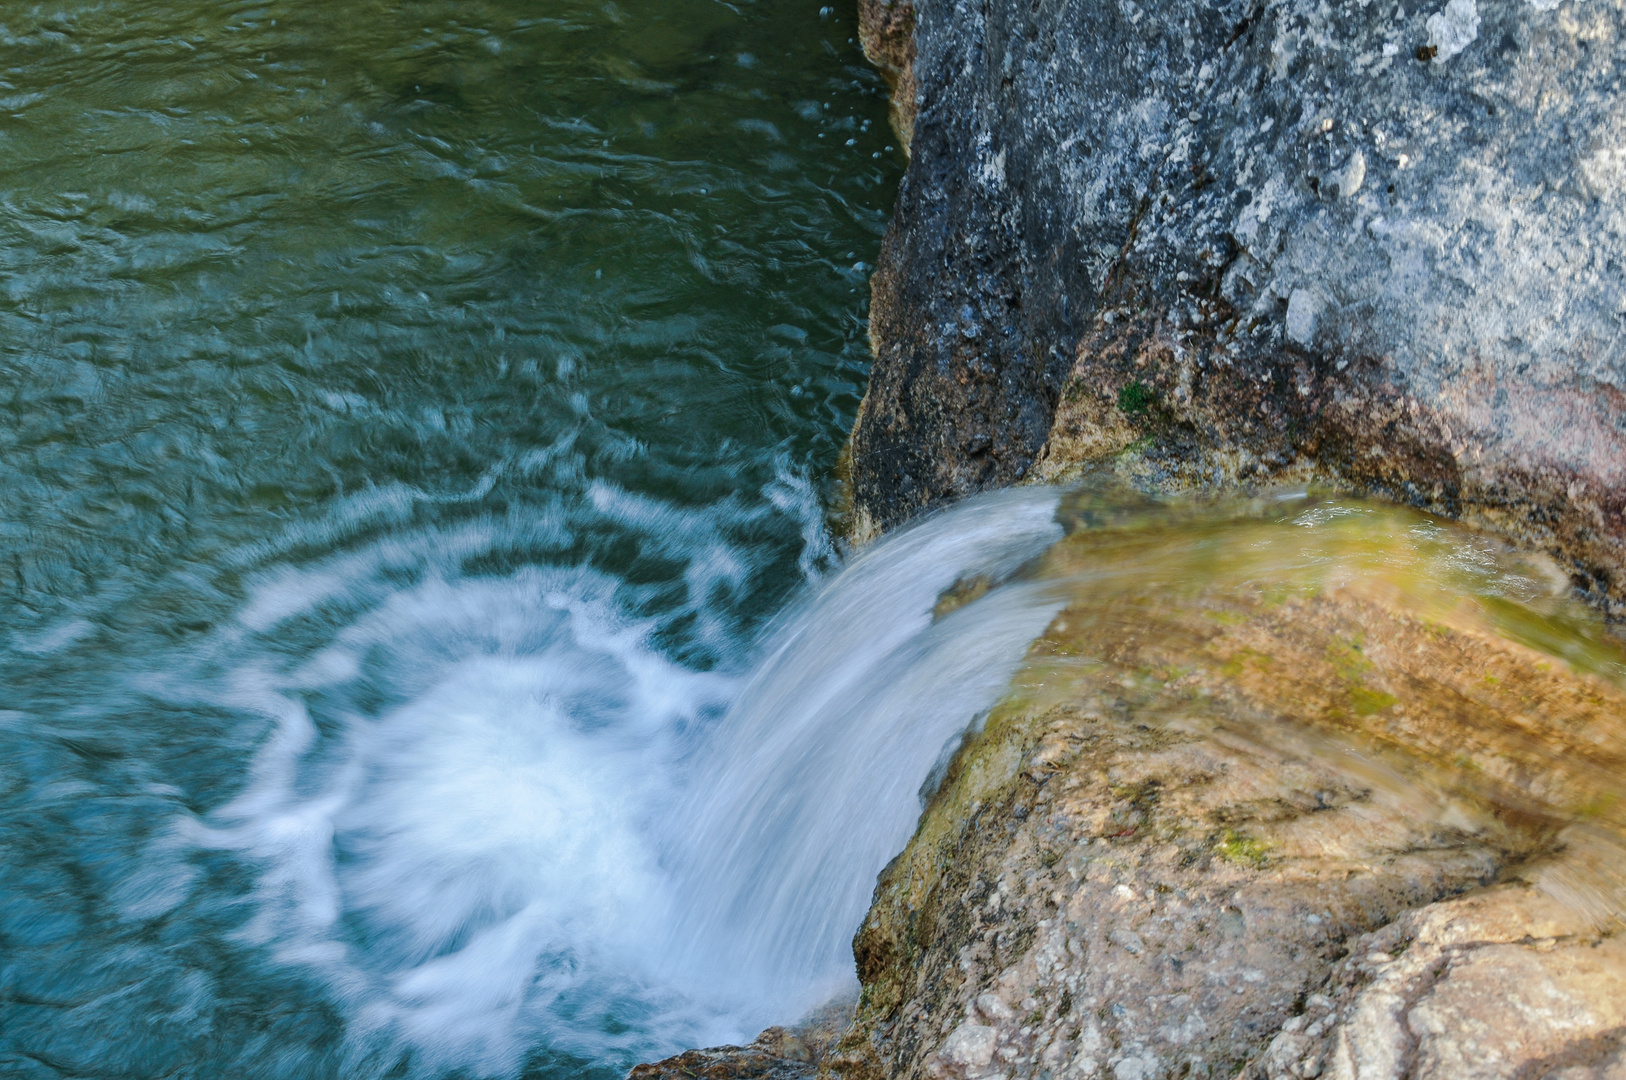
{"x": 425, "y": 652}
{"x": 413, "y": 415}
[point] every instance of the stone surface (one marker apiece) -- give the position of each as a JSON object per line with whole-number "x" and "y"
{"x": 1373, "y": 241}
{"x": 1503, "y": 984}
{"x": 773, "y": 1055}
{"x": 1252, "y": 816}
{"x": 779, "y": 1053}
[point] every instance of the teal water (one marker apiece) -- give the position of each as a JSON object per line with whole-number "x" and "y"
{"x": 412, "y": 412}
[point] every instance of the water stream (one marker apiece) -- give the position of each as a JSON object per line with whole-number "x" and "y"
{"x": 425, "y": 653}
{"x": 413, "y": 415}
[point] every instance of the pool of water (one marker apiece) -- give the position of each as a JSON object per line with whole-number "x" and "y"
{"x": 412, "y": 413}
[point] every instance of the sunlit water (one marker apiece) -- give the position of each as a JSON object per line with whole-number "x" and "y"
{"x": 413, "y": 415}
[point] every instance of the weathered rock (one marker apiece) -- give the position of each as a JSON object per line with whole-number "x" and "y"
{"x": 888, "y": 31}
{"x": 1335, "y": 794}
{"x": 779, "y": 1053}
{"x": 773, "y": 1055}
{"x": 1506, "y": 983}
{"x": 1358, "y": 239}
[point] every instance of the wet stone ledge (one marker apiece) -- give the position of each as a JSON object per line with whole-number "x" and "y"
{"x": 1289, "y": 788}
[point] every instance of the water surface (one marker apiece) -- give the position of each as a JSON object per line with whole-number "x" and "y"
{"x": 412, "y": 411}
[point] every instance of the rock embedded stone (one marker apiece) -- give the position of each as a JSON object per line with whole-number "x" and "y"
{"x": 1452, "y": 29}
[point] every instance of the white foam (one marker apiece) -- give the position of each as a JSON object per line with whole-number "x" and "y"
{"x": 463, "y": 861}
{"x": 494, "y": 818}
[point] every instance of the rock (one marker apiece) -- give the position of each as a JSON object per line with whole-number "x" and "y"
{"x": 752, "y": 1062}
{"x": 1452, "y": 29}
{"x": 1257, "y": 240}
{"x": 777, "y": 1054}
{"x": 887, "y": 29}
{"x": 1304, "y": 310}
{"x": 1506, "y": 983}
{"x": 1249, "y": 815}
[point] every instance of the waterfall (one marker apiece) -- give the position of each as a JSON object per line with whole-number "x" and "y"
{"x": 811, "y": 782}
{"x": 492, "y": 814}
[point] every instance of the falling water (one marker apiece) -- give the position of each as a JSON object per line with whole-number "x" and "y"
{"x": 548, "y": 834}
{"x": 812, "y": 781}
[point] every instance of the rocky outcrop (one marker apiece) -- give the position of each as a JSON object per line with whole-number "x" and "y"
{"x": 1291, "y": 787}
{"x": 779, "y": 1053}
{"x": 1245, "y": 815}
{"x": 1367, "y": 240}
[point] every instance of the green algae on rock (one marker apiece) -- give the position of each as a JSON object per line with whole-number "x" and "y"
{"x": 1291, "y": 787}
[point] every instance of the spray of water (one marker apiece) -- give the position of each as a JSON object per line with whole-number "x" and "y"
{"x": 496, "y": 820}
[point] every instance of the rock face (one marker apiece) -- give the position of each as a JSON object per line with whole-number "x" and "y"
{"x": 779, "y": 1053}
{"x": 776, "y": 1054}
{"x": 1249, "y": 818}
{"x": 1368, "y": 240}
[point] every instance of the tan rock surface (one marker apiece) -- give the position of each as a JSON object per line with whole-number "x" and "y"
{"x": 1268, "y": 812}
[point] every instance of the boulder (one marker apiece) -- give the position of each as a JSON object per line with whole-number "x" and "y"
{"x": 1378, "y": 242}
{"x": 1307, "y": 789}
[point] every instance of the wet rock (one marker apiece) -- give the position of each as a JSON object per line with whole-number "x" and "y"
{"x": 1210, "y": 243}
{"x": 1330, "y": 793}
{"x": 770, "y": 1057}
{"x": 779, "y": 1053}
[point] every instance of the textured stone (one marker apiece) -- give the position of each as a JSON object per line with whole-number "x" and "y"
{"x": 1503, "y": 984}
{"x": 1234, "y": 242}
{"x": 1274, "y": 799}
{"x": 779, "y": 1053}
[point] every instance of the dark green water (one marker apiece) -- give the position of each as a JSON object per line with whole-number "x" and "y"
{"x": 382, "y": 384}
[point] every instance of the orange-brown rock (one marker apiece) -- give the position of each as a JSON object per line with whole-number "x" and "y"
{"x": 1296, "y": 789}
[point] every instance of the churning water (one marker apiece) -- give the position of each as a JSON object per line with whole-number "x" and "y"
{"x": 422, "y": 647}
{"x": 414, "y": 416}
{"x": 492, "y": 816}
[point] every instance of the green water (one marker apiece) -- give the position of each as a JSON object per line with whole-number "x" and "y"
{"x": 370, "y": 330}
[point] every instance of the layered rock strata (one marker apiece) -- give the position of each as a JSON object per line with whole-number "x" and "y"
{"x": 1369, "y": 240}
{"x": 1288, "y": 789}
{"x": 1239, "y": 821}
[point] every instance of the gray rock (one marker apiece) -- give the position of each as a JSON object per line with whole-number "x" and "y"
{"x": 1111, "y": 208}
{"x": 1304, "y": 310}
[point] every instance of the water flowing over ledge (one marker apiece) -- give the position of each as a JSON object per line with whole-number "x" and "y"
{"x": 1289, "y": 784}
{"x": 545, "y": 840}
